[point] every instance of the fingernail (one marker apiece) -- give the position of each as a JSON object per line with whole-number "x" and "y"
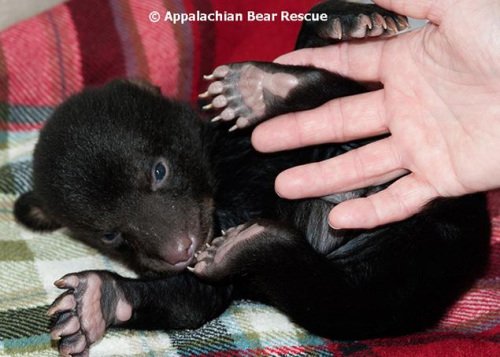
{"x": 55, "y": 337}
{"x": 59, "y": 283}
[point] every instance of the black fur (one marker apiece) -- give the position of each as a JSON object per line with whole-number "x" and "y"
{"x": 93, "y": 172}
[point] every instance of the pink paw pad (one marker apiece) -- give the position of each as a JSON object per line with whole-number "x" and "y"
{"x": 81, "y": 319}
{"x": 216, "y": 260}
{"x": 240, "y": 91}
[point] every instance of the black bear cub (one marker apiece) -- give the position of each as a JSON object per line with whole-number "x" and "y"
{"x": 192, "y": 208}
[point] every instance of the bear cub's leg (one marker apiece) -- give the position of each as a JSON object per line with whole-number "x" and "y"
{"x": 251, "y": 92}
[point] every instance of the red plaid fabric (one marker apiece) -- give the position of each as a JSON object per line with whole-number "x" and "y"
{"x": 81, "y": 43}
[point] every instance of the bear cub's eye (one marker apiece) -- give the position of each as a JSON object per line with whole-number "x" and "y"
{"x": 109, "y": 238}
{"x": 159, "y": 173}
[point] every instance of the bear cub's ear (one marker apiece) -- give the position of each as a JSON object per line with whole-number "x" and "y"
{"x": 29, "y": 212}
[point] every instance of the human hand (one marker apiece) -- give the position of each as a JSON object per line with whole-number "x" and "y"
{"x": 440, "y": 103}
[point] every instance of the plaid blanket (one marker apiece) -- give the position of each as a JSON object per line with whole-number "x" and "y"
{"x": 80, "y": 43}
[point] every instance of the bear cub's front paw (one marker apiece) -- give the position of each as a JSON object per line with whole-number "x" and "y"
{"x": 93, "y": 302}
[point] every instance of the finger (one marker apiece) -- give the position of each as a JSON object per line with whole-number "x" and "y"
{"x": 404, "y": 198}
{"x": 73, "y": 344}
{"x": 422, "y": 9}
{"x": 85, "y": 353}
{"x": 340, "y": 120}
{"x": 358, "y": 60}
{"x": 203, "y": 268}
{"x": 64, "y": 302}
{"x": 67, "y": 324}
{"x": 369, "y": 165}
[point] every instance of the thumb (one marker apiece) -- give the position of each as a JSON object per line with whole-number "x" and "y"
{"x": 432, "y": 10}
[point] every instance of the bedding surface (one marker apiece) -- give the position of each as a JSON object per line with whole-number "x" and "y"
{"x": 47, "y": 58}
